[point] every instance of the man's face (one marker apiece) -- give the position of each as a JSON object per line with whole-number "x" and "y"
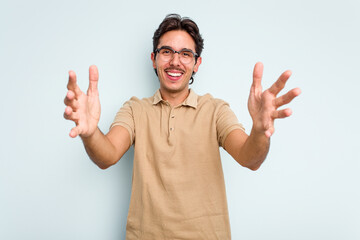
{"x": 174, "y": 75}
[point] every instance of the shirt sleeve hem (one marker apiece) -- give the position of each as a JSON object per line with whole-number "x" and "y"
{"x": 126, "y": 127}
{"x": 229, "y": 130}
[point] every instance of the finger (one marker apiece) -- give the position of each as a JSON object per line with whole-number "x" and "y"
{"x": 72, "y": 85}
{"x": 93, "y": 79}
{"x": 280, "y": 83}
{"x": 257, "y": 75}
{"x": 74, "y": 132}
{"x": 69, "y": 114}
{"x": 269, "y": 133}
{"x": 70, "y": 95}
{"x": 287, "y": 98}
{"x": 284, "y": 113}
{"x": 71, "y": 101}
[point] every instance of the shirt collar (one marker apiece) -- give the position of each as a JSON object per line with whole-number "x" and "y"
{"x": 190, "y": 101}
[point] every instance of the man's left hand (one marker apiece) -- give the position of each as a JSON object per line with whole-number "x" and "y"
{"x": 263, "y": 106}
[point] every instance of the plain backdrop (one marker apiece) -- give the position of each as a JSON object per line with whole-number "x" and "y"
{"x": 308, "y": 187}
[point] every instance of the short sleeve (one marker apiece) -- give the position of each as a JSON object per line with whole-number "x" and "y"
{"x": 226, "y": 122}
{"x": 125, "y": 118}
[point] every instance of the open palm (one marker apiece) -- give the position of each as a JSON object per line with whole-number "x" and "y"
{"x": 83, "y": 109}
{"x": 263, "y": 105}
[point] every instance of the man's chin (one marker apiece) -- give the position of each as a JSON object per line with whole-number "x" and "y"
{"x": 173, "y": 88}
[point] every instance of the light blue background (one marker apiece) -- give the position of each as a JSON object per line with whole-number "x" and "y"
{"x": 308, "y": 188}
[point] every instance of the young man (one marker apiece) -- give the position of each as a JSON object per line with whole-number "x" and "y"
{"x": 178, "y": 189}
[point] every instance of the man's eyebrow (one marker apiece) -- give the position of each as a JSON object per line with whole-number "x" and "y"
{"x": 187, "y": 49}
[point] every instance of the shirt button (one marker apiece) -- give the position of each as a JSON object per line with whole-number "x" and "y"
{"x": 172, "y": 116}
{"x": 171, "y": 129}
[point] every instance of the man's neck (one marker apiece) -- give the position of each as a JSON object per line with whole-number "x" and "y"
{"x": 175, "y": 98}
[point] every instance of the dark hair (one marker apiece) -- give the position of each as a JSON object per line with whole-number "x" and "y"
{"x": 176, "y": 22}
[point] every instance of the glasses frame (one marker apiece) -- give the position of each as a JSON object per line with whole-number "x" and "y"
{"x": 195, "y": 55}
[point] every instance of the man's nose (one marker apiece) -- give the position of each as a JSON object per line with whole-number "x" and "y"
{"x": 175, "y": 59}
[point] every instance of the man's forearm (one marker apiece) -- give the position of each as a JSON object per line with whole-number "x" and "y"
{"x": 100, "y": 149}
{"x": 254, "y": 151}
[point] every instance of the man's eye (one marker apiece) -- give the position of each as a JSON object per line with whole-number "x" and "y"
{"x": 166, "y": 52}
{"x": 187, "y": 54}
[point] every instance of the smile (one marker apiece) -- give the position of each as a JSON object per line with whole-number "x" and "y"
{"x": 173, "y": 74}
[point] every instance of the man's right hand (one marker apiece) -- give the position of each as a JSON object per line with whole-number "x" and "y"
{"x": 83, "y": 109}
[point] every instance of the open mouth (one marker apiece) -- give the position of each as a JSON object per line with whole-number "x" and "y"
{"x": 174, "y": 75}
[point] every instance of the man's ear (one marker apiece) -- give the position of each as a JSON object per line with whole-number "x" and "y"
{"x": 198, "y": 62}
{"x": 153, "y": 60}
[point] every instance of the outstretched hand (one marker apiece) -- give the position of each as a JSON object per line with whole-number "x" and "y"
{"x": 263, "y": 106}
{"x": 83, "y": 109}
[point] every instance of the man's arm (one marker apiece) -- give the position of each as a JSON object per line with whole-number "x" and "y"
{"x": 250, "y": 151}
{"x": 106, "y": 150}
{"x": 84, "y": 110}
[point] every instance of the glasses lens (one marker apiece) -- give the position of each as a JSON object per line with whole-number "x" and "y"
{"x": 186, "y": 56}
{"x": 166, "y": 54}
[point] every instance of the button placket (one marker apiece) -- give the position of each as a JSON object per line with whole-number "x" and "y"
{"x": 172, "y": 120}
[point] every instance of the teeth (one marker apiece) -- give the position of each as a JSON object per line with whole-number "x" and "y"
{"x": 174, "y": 74}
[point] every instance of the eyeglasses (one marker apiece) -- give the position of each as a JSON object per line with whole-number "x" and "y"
{"x": 166, "y": 54}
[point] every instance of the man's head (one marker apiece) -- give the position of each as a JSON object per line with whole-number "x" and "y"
{"x": 177, "y": 46}
{"x": 176, "y": 22}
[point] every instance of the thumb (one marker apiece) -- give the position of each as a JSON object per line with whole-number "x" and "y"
{"x": 93, "y": 79}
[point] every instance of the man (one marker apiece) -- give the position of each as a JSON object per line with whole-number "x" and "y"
{"x": 178, "y": 189}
